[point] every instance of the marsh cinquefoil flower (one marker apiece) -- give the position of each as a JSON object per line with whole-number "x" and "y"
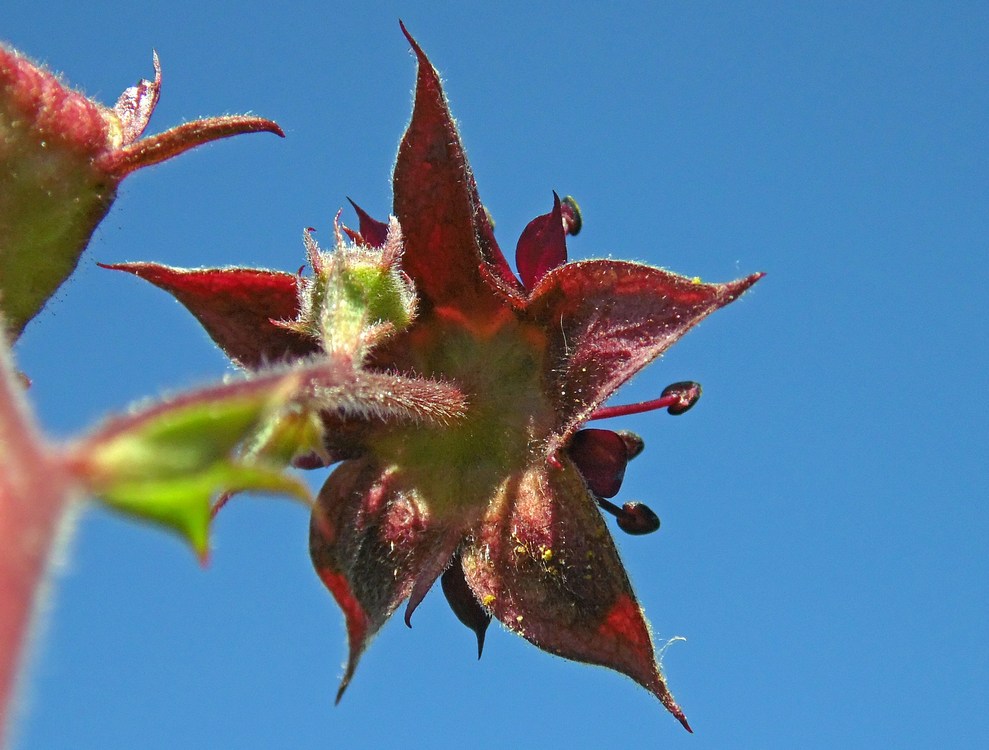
{"x": 500, "y": 497}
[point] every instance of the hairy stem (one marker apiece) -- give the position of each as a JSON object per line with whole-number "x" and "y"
{"x": 34, "y": 493}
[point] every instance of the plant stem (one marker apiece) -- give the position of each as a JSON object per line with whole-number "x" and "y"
{"x": 34, "y": 493}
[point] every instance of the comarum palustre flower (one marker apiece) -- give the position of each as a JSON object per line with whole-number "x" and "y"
{"x": 497, "y": 491}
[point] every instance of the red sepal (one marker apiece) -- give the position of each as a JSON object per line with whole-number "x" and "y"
{"x": 608, "y": 319}
{"x": 548, "y": 533}
{"x": 447, "y": 232}
{"x": 372, "y": 540}
{"x": 236, "y": 306}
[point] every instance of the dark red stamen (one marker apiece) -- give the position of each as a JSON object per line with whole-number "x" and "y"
{"x": 676, "y": 399}
{"x": 633, "y": 518}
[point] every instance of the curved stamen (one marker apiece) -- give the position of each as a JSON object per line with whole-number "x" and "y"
{"x": 676, "y": 399}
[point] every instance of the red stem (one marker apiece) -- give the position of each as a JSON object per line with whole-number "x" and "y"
{"x": 34, "y": 493}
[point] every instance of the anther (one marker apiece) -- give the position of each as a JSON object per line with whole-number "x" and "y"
{"x": 572, "y": 220}
{"x": 686, "y": 392}
{"x": 637, "y": 518}
{"x": 633, "y": 518}
{"x": 676, "y": 399}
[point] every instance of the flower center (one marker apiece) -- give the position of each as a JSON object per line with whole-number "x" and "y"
{"x": 499, "y": 366}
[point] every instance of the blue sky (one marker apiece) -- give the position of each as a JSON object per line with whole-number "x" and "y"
{"x": 824, "y": 507}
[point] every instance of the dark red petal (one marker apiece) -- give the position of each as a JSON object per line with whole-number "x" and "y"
{"x": 136, "y": 104}
{"x": 428, "y": 574}
{"x": 601, "y": 456}
{"x": 608, "y": 319}
{"x": 463, "y": 602}
{"x": 369, "y": 539}
{"x": 236, "y": 307}
{"x": 542, "y": 246}
{"x": 446, "y": 229}
{"x": 373, "y": 232}
{"x": 545, "y": 565}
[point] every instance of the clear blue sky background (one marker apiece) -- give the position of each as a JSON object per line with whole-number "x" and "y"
{"x": 824, "y": 507}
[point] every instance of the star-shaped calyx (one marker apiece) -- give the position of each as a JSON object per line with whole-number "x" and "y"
{"x": 502, "y": 502}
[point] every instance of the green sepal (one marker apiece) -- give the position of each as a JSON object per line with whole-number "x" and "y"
{"x": 182, "y": 502}
{"x": 185, "y": 439}
{"x": 168, "y": 463}
{"x": 381, "y": 291}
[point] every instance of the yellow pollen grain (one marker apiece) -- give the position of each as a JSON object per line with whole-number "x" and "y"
{"x": 520, "y": 550}
{"x": 488, "y": 600}
{"x": 518, "y": 618}
{"x": 696, "y": 280}
{"x": 547, "y": 555}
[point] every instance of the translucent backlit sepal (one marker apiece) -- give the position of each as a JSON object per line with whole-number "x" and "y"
{"x": 371, "y": 538}
{"x": 448, "y": 236}
{"x": 548, "y": 533}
